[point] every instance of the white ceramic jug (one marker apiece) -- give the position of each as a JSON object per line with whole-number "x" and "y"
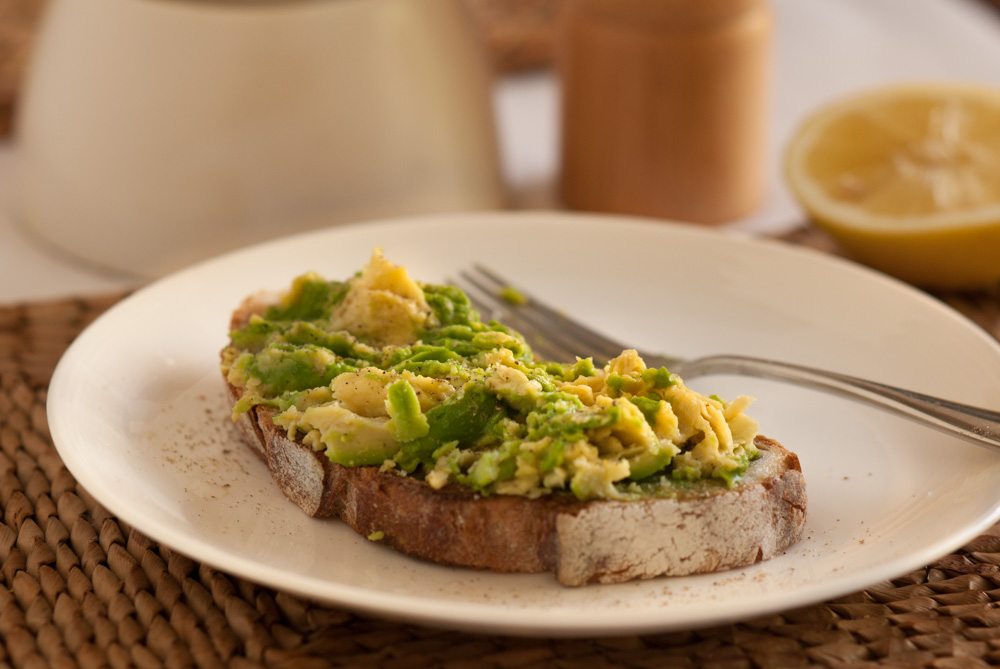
{"x": 153, "y": 133}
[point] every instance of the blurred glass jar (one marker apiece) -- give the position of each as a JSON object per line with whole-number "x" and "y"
{"x": 665, "y": 106}
{"x": 153, "y": 133}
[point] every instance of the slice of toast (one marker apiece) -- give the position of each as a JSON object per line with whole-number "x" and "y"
{"x": 605, "y": 541}
{"x": 703, "y": 528}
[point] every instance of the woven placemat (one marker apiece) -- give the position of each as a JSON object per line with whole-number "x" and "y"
{"x": 81, "y": 588}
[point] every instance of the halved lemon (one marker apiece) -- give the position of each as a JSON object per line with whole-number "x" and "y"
{"x": 908, "y": 179}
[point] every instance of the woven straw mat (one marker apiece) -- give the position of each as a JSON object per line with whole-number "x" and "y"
{"x": 81, "y": 588}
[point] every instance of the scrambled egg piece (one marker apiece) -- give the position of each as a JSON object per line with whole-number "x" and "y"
{"x": 364, "y": 391}
{"x": 383, "y": 305}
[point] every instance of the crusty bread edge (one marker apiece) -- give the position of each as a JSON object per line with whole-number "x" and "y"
{"x": 611, "y": 542}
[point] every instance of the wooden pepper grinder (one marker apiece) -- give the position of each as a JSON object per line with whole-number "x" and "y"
{"x": 664, "y": 106}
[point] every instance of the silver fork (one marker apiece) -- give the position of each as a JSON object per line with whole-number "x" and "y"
{"x": 558, "y": 337}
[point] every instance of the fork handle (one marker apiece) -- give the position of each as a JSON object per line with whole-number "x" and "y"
{"x": 975, "y": 424}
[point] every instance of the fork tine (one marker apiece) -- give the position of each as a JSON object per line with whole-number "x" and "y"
{"x": 481, "y": 296}
{"x": 536, "y": 330}
{"x": 576, "y": 337}
{"x": 489, "y": 302}
{"x": 486, "y": 303}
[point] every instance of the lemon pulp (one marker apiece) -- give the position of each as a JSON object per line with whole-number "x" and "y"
{"x": 908, "y": 179}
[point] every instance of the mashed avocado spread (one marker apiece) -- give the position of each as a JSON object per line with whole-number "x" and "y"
{"x": 383, "y": 370}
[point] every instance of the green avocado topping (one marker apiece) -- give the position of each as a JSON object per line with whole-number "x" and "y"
{"x": 406, "y": 420}
{"x": 383, "y": 370}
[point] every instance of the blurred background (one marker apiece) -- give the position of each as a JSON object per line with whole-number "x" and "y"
{"x": 142, "y": 135}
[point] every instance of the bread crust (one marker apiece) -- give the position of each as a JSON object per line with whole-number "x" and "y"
{"x": 598, "y": 541}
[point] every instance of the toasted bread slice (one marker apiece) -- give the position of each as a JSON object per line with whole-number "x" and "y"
{"x": 606, "y": 541}
{"x": 703, "y": 528}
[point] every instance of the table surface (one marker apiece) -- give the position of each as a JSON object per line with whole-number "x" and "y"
{"x": 823, "y": 49}
{"x": 79, "y": 587}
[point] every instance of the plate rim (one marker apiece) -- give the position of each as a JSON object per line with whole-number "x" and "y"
{"x": 491, "y": 618}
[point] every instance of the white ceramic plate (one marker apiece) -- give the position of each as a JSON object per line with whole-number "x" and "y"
{"x": 138, "y": 412}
